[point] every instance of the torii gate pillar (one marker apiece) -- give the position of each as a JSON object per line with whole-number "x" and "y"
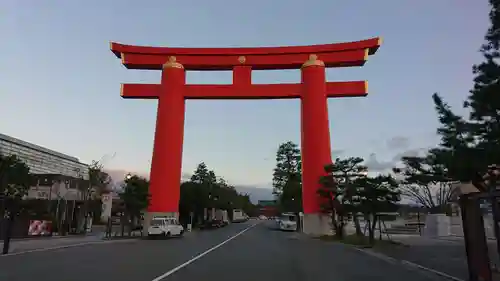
{"x": 168, "y": 143}
{"x": 315, "y": 144}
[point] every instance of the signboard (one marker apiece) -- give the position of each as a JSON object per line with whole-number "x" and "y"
{"x": 267, "y": 203}
{"x": 39, "y": 228}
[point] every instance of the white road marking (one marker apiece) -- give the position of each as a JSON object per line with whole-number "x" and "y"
{"x": 172, "y": 271}
{"x": 440, "y": 273}
{"x": 64, "y": 247}
{"x": 408, "y": 263}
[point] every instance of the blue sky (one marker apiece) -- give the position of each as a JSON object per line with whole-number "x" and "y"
{"x": 59, "y": 83}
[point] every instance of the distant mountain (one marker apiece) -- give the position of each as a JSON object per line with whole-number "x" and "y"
{"x": 256, "y": 193}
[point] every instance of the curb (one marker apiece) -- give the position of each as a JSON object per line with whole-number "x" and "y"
{"x": 407, "y": 264}
{"x": 54, "y": 237}
{"x": 66, "y": 246}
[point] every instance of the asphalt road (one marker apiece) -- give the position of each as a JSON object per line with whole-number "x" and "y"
{"x": 252, "y": 253}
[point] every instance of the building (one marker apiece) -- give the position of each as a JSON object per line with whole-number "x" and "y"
{"x": 57, "y": 175}
{"x": 41, "y": 160}
{"x": 59, "y": 180}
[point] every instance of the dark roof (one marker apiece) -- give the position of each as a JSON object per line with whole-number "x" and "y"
{"x": 38, "y": 148}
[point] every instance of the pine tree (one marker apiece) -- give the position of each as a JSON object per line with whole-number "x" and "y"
{"x": 457, "y": 158}
{"x": 469, "y": 146}
{"x": 426, "y": 180}
{"x": 484, "y": 99}
{"x": 376, "y": 195}
{"x": 338, "y": 190}
{"x": 287, "y": 180}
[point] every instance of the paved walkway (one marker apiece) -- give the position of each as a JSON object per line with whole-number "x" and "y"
{"x": 52, "y": 242}
{"x": 444, "y": 254}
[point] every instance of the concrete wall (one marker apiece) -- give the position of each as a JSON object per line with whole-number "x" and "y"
{"x": 452, "y": 226}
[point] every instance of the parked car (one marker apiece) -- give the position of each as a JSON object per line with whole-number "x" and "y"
{"x": 287, "y": 221}
{"x": 165, "y": 227}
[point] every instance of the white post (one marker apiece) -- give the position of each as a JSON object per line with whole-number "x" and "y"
{"x": 301, "y": 217}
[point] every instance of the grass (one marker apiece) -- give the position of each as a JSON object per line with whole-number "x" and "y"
{"x": 360, "y": 241}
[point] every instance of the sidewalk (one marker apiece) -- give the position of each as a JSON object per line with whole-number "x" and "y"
{"x": 444, "y": 254}
{"x": 21, "y": 245}
{"x": 437, "y": 254}
{"x": 37, "y": 243}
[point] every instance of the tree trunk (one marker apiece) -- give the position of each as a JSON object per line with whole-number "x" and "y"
{"x": 122, "y": 222}
{"x": 372, "y": 230}
{"x": 130, "y": 219}
{"x": 334, "y": 224}
{"x": 8, "y": 233}
{"x": 355, "y": 218}
{"x": 85, "y": 212}
{"x": 339, "y": 228}
{"x": 62, "y": 220}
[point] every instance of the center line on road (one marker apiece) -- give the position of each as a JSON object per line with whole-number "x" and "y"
{"x": 172, "y": 271}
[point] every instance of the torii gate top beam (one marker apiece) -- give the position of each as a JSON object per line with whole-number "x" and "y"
{"x": 258, "y": 58}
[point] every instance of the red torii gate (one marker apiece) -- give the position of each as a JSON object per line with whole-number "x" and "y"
{"x": 313, "y": 91}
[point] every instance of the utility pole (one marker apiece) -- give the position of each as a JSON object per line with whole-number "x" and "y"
{"x": 8, "y": 218}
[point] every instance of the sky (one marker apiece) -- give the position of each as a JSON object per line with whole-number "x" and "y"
{"x": 60, "y": 84}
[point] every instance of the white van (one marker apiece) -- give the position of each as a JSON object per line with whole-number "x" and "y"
{"x": 287, "y": 221}
{"x": 166, "y": 227}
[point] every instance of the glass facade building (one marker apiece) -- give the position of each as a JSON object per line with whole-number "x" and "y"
{"x": 41, "y": 160}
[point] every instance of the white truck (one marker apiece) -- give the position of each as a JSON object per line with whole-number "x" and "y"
{"x": 165, "y": 227}
{"x": 239, "y": 216}
{"x": 221, "y": 215}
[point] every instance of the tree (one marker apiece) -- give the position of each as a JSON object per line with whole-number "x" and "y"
{"x": 98, "y": 179}
{"x": 346, "y": 171}
{"x": 334, "y": 203}
{"x": 15, "y": 181}
{"x": 15, "y": 178}
{"x": 135, "y": 197}
{"x": 201, "y": 181}
{"x": 202, "y": 175}
{"x": 205, "y": 190}
{"x": 469, "y": 146}
{"x": 98, "y": 183}
{"x": 291, "y": 198}
{"x": 375, "y": 195}
{"x": 287, "y": 180}
{"x": 483, "y": 101}
{"x": 338, "y": 189}
{"x": 425, "y": 180}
